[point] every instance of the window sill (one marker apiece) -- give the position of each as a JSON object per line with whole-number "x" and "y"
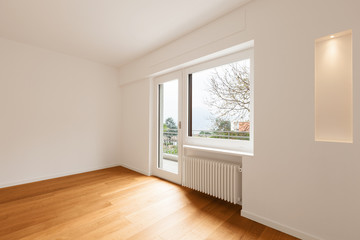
{"x": 217, "y": 150}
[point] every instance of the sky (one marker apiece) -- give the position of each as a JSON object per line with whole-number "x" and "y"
{"x": 170, "y": 90}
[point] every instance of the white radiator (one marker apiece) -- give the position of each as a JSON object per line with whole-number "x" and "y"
{"x": 216, "y": 178}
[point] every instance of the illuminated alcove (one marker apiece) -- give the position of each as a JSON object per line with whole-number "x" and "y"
{"x": 333, "y": 88}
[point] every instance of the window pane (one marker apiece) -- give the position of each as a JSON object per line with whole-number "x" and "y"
{"x": 220, "y": 102}
{"x": 168, "y": 126}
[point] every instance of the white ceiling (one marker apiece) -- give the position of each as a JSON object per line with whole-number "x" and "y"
{"x": 109, "y": 31}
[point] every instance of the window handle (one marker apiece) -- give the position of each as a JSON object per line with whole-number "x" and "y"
{"x": 179, "y": 124}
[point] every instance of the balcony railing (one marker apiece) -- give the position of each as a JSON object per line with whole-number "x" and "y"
{"x": 234, "y": 135}
{"x": 170, "y": 140}
{"x": 170, "y": 137}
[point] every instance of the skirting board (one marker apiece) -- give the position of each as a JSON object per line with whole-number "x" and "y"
{"x": 144, "y": 172}
{"x": 278, "y": 226}
{"x": 57, "y": 175}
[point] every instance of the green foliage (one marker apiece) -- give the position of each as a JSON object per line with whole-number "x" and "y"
{"x": 232, "y": 135}
{"x": 170, "y": 123}
{"x": 170, "y": 149}
{"x": 170, "y": 137}
{"x": 222, "y": 130}
{"x": 165, "y": 127}
{"x": 222, "y": 125}
{"x": 204, "y": 133}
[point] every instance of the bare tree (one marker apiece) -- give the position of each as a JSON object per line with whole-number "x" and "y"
{"x": 230, "y": 92}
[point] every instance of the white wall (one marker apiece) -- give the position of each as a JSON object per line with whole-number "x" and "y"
{"x": 59, "y": 114}
{"x": 135, "y": 126}
{"x": 306, "y": 188}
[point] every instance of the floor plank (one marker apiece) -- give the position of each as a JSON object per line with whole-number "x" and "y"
{"x": 117, "y": 203}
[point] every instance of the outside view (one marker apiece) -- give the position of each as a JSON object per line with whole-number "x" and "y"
{"x": 169, "y": 118}
{"x": 221, "y": 102}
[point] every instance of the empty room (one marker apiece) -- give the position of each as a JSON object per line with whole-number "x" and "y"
{"x": 169, "y": 119}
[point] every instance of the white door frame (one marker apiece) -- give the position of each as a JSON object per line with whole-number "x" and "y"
{"x": 176, "y": 178}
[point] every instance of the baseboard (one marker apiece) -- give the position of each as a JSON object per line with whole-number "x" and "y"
{"x": 37, "y": 179}
{"x": 278, "y": 226}
{"x": 135, "y": 169}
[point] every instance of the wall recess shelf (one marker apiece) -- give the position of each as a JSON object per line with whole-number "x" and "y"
{"x": 333, "y": 88}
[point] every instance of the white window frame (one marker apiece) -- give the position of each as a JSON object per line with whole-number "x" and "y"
{"x": 223, "y": 144}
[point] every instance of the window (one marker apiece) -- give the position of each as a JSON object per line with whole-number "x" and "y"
{"x": 219, "y": 100}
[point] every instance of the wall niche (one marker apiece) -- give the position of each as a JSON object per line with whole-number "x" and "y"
{"x": 333, "y": 88}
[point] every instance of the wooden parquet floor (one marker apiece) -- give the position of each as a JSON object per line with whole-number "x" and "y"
{"x": 117, "y": 203}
